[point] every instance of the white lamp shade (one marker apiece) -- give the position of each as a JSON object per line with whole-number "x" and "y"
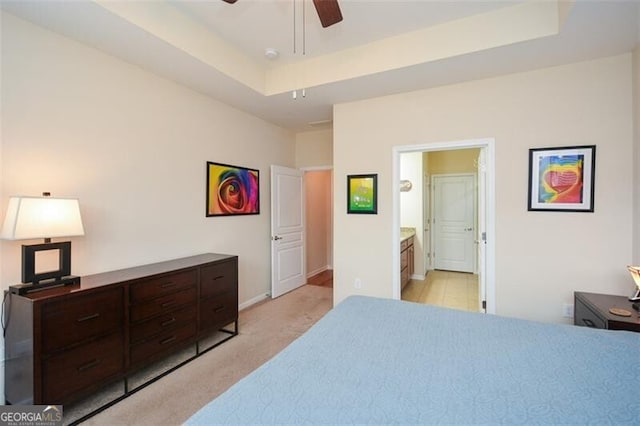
{"x": 41, "y": 217}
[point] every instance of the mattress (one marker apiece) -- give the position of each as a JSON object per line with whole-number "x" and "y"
{"x": 372, "y": 360}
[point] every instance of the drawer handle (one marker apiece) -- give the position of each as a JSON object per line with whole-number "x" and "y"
{"x": 88, "y": 317}
{"x": 218, "y": 309}
{"x": 89, "y": 365}
{"x": 588, "y": 322}
{"x": 167, "y": 284}
{"x": 167, "y": 322}
{"x": 167, "y": 304}
{"x": 167, "y": 340}
{"x": 218, "y": 277}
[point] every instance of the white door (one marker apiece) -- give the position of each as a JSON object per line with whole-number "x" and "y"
{"x": 287, "y": 230}
{"x": 453, "y": 222}
{"x": 481, "y": 234}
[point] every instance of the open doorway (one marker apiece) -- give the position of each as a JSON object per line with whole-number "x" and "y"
{"x": 319, "y": 226}
{"x": 479, "y": 231}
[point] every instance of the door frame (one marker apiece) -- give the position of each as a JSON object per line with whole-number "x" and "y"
{"x": 486, "y": 144}
{"x": 426, "y": 222}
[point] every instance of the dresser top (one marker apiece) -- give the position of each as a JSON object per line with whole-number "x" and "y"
{"x": 130, "y": 274}
{"x": 603, "y": 302}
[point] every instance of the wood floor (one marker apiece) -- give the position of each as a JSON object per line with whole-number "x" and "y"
{"x": 443, "y": 288}
{"x": 323, "y": 279}
{"x": 455, "y": 290}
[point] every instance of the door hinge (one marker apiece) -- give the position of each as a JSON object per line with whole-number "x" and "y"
{"x": 484, "y": 236}
{"x": 484, "y": 304}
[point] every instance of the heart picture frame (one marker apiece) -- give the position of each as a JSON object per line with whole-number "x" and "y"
{"x": 562, "y": 179}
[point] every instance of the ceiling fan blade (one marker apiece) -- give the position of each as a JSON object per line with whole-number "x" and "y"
{"x": 328, "y": 12}
{"x": 230, "y": 1}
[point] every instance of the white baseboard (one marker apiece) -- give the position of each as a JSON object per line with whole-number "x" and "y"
{"x": 317, "y": 271}
{"x": 253, "y": 301}
{"x": 418, "y": 277}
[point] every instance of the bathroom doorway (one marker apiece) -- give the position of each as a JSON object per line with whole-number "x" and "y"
{"x": 481, "y": 154}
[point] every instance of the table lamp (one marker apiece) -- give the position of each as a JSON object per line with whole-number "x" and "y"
{"x": 635, "y": 274}
{"x": 48, "y": 264}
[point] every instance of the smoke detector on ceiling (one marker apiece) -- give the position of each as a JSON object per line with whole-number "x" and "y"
{"x": 271, "y": 53}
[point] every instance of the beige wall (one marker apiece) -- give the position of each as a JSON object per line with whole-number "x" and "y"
{"x": 412, "y": 207}
{"x": 319, "y": 232}
{"x": 314, "y": 153}
{"x": 453, "y": 161}
{"x": 314, "y": 148}
{"x": 541, "y": 257}
{"x": 133, "y": 148}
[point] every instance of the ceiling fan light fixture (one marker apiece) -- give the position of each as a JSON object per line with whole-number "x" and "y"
{"x": 271, "y": 54}
{"x": 328, "y": 12}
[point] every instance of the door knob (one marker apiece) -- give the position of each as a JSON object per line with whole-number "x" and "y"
{"x": 468, "y": 229}
{"x": 276, "y": 238}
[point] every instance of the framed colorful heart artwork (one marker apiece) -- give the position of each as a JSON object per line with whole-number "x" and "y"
{"x": 562, "y": 178}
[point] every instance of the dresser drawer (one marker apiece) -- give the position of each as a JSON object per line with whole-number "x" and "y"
{"x": 163, "y": 323}
{"x": 68, "y": 373}
{"x": 218, "y": 279}
{"x": 80, "y": 318}
{"x": 162, "y": 343}
{"x": 218, "y": 312}
{"x": 586, "y": 317}
{"x": 167, "y": 284}
{"x": 162, "y": 305}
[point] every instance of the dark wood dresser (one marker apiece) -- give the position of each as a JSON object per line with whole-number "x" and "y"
{"x": 63, "y": 343}
{"x": 592, "y": 310}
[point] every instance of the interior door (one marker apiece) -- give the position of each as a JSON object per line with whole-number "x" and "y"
{"x": 453, "y": 222}
{"x": 287, "y": 230}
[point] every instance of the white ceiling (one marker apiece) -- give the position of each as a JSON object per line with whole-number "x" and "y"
{"x": 153, "y": 35}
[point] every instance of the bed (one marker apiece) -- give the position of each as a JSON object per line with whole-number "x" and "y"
{"x": 372, "y": 360}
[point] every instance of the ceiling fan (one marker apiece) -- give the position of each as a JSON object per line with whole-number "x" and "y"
{"x": 328, "y": 11}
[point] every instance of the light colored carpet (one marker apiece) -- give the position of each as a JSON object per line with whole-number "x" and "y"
{"x": 265, "y": 329}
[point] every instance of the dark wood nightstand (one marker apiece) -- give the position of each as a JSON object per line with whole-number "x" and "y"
{"x": 592, "y": 310}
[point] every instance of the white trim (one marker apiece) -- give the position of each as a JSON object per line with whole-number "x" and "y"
{"x": 253, "y": 301}
{"x": 316, "y": 168}
{"x": 489, "y": 145}
{"x": 317, "y": 271}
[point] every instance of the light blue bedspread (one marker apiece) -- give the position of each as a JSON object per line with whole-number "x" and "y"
{"x": 384, "y": 361}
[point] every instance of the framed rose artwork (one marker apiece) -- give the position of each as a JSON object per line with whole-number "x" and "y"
{"x": 232, "y": 190}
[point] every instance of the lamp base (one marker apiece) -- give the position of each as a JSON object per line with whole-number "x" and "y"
{"x": 26, "y": 288}
{"x": 635, "y": 296}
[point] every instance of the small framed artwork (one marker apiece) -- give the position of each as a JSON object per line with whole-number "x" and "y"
{"x": 562, "y": 178}
{"x": 232, "y": 190}
{"x": 362, "y": 194}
